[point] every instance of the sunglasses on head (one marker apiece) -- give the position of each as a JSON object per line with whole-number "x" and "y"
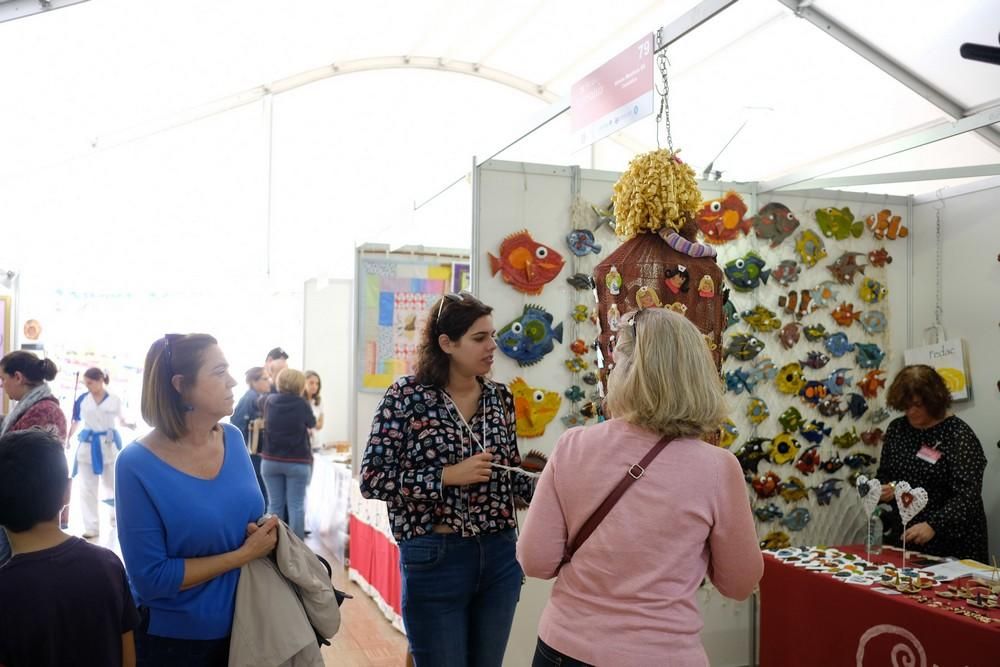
{"x": 455, "y": 297}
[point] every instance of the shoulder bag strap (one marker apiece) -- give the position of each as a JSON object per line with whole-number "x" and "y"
{"x": 635, "y": 471}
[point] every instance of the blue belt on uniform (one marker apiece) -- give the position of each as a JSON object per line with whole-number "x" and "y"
{"x": 96, "y": 455}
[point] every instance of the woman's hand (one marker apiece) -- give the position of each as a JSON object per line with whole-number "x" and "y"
{"x": 261, "y": 540}
{"x": 920, "y": 533}
{"x": 888, "y": 493}
{"x": 474, "y": 470}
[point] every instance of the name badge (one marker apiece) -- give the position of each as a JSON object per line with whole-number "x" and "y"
{"x": 929, "y": 454}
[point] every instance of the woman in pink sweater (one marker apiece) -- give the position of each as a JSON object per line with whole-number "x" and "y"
{"x": 627, "y": 596}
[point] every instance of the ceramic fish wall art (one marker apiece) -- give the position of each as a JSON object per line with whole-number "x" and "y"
{"x": 525, "y": 264}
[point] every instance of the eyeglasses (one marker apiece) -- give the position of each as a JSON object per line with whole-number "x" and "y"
{"x": 455, "y": 297}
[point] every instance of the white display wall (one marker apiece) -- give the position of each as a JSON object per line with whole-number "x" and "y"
{"x": 327, "y": 348}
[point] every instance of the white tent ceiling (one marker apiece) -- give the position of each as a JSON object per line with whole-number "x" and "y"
{"x": 99, "y": 156}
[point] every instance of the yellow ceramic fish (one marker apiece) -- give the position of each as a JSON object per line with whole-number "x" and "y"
{"x": 534, "y": 408}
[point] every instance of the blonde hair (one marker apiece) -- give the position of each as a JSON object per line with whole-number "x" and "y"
{"x": 666, "y": 381}
{"x": 291, "y": 381}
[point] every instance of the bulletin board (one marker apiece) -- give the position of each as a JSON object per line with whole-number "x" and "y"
{"x": 395, "y": 293}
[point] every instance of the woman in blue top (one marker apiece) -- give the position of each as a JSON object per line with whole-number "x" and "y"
{"x": 187, "y": 502}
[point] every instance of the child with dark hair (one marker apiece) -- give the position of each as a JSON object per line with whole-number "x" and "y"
{"x": 65, "y": 601}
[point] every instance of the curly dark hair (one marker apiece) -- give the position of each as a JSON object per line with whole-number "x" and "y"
{"x": 458, "y": 312}
{"x": 921, "y": 384}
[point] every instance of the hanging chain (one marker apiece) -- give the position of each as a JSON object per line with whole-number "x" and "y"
{"x": 664, "y": 113}
{"x": 939, "y": 273}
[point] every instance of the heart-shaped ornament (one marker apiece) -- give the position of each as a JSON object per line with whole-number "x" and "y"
{"x": 870, "y": 491}
{"x": 910, "y": 501}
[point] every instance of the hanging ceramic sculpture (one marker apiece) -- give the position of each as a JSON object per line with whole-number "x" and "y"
{"x": 530, "y": 337}
{"x": 525, "y": 264}
{"x": 533, "y": 407}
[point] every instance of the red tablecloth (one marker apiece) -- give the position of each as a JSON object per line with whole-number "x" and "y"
{"x": 376, "y": 558}
{"x": 811, "y": 618}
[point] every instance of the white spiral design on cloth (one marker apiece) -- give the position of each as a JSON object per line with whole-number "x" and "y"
{"x": 903, "y": 655}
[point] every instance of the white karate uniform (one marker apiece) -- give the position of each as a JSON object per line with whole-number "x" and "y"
{"x": 98, "y": 418}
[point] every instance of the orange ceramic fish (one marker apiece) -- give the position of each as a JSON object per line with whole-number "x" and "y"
{"x": 885, "y": 225}
{"x": 872, "y": 383}
{"x": 525, "y": 264}
{"x": 845, "y": 315}
{"x": 722, "y": 220}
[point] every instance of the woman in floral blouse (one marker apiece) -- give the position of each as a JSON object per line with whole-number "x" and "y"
{"x": 440, "y": 454}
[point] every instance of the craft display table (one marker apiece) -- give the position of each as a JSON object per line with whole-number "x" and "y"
{"x": 374, "y": 556}
{"x": 812, "y": 618}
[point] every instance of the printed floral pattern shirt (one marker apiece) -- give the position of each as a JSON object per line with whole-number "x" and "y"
{"x": 416, "y": 432}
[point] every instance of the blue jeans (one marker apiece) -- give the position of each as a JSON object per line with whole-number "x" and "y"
{"x": 155, "y": 651}
{"x": 286, "y": 490}
{"x": 4, "y": 547}
{"x": 459, "y": 596}
{"x": 546, "y": 656}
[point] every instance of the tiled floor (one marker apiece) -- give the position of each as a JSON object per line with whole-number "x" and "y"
{"x": 365, "y": 638}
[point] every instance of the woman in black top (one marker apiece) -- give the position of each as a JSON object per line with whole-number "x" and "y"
{"x": 931, "y": 448}
{"x": 442, "y": 454}
{"x": 286, "y": 457}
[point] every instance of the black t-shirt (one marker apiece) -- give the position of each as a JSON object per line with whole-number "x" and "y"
{"x": 67, "y": 605}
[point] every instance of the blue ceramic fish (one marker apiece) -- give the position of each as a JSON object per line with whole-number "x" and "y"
{"x": 736, "y": 382}
{"x": 747, "y": 272}
{"x": 744, "y": 347}
{"x": 815, "y": 360}
{"x": 763, "y": 370}
{"x": 797, "y": 519}
{"x": 732, "y": 317}
{"x": 826, "y": 491}
{"x": 837, "y": 380}
{"x": 873, "y": 321}
{"x": 581, "y": 242}
{"x": 857, "y": 405}
{"x": 837, "y": 344}
{"x": 855, "y": 461}
{"x": 769, "y": 512}
{"x": 823, "y": 294}
{"x": 815, "y": 431}
{"x": 530, "y": 337}
{"x": 574, "y": 394}
{"x": 870, "y": 355}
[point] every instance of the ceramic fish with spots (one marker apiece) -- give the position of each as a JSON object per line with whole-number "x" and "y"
{"x": 885, "y": 225}
{"x": 846, "y": 267}
{"x": 815, "y": 360}
{"x": 525, "y": 264}
{"x": 832, "y": 464}
{"x": 534, "y": 408}
{"x": 847, "y": 439}
{"x": 873, "y": 321}
{"x": 872, "y": 291}
{"x": 838, "y": 380}
{"x": 789, "y": 335}
{"x": 792, "y": 489}
{"x": 872, "y": 437}
{"x": 879, "y": 257}
{"x": 789, "y": 379}
{"x": 824, "y": 294}
{"x": 809, "y": 461}
{"x": 791, "y": 419}
{"x": 813, "y": 392}
{"x": 837, "y": 344}
{"x": 723, "y": 220}
{"x": 769, "y": 512}
{"x": 775, "y": 222}
{"x": 815, "y": 431}
{"x": 732, "y": 317}
{"x": 728, "y": 433}
{"x": 737, "y": 381}
{"x": 761, "y": 319}
{"x": 581, "y": 242}
{"x": 857, "y": 406}
{"x": 766, "y": 485}
{"x": 530, "y": 337}
{"x": 797, "y": 519}
{"x": 879, "y": 415}
{"x": 830, "y": 407}
{"x": 869, "y": 355}
{"x": 757, "y": 411}
{"x": 751, "y": 454}
{"x": 797, "y": 303}
{"x": 855, "y": 461}
{"x": 845, "y": 315}
{"x": 838, "y": 223}
{"x": 810, "y": 248}
{"x": 814, "y": 332}
{"x": 747, "y": 273}
{"x": 826, "y": 491}
{"x": 762, "y": 370}
{"x": 871, "y": 383}
{"x": 743, "y": 347}
{"x": 784, "y": 448}
{"x": 786, "y": 273}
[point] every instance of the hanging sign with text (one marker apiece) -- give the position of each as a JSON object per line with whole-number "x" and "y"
{"x": 613, "y": 96}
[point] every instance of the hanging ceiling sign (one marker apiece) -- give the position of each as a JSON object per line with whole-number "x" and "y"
{"x": 614, "y": 95}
